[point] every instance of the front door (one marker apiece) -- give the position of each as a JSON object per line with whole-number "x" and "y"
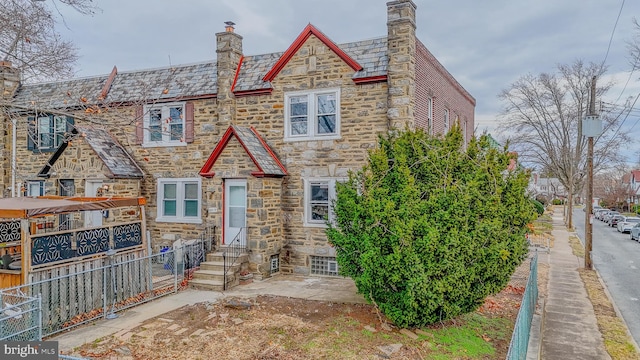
{"x": 92, "y": 218}
{"x": 235, "y": 210}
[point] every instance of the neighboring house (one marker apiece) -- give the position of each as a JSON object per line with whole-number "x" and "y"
{"x": 549, "y": 188}
{"x": 634, "y": 187}
{"x": 252, "y": 145}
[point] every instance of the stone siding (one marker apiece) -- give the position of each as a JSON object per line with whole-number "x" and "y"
{"x": 363, "y": 116}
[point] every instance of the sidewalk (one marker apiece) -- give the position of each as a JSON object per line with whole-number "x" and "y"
{"x": 568, "y": 323}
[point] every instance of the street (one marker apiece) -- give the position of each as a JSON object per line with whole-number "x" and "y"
{"x": 616, "y": 258}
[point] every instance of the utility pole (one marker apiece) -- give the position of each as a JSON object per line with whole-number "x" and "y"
{"x": 591, "y": 127}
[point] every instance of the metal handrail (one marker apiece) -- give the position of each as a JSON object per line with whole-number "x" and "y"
{"x": 232, "y": 252}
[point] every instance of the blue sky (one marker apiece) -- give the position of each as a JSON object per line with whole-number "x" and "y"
{"x": 486, "y": 45}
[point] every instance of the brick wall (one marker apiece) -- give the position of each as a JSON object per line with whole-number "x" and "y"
{"x": 433, "y": 80}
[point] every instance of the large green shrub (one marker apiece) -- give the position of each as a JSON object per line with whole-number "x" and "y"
{"x": 428, "y": 229}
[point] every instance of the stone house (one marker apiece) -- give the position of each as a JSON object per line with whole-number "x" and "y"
{"x": 250, "y": 144}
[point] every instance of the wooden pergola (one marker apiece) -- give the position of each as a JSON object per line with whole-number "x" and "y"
{"x": 23, "y": 230}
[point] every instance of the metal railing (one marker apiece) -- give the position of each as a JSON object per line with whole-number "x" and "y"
{"x": 522, "y": 329}
{"x": 46, "y": 307}
{"x": 20, "y": 316}
{"x": 232, "y": 252}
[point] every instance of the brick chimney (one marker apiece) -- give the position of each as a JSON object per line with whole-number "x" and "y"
{"x": 229, "y": 52}
{"x": 9, "y": 80}
{"x": 401, "y": 49}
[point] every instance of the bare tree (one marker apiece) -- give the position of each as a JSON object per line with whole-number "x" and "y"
{"x": 542, "y": 119}
{"x": 634, "y": 46}
{"x": 614, "y": 189}
{"x": 29, "y": 40}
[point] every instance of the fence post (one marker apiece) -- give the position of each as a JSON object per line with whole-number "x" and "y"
{"x": 104, "y": 292}
{"x": 175, "y": 271}
{"x": 39, "y": 317}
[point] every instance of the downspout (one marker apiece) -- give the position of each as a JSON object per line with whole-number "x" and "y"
{"x": 14, "y": 138}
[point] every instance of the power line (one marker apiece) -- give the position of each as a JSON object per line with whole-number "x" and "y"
{"x": 612, "y": 33}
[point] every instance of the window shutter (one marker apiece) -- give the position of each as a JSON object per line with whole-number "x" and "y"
{"x": 31, "y": 133}
{"x": 139, "y": 121}
{"x": 70, "y": 124}
{"x": 189, "y": 122}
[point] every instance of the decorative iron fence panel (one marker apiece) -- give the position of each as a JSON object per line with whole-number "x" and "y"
{"x": 10, "y": 231}
{"x": 522, "y": 329}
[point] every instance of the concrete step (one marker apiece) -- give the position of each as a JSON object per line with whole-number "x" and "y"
{"x": 217, "y": 257}
{"x": 218, "y": 265}
{"x": 212, "y": 285}
{"x": 217, "y": 275}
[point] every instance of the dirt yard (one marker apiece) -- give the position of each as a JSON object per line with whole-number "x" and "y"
{"x": 274, "y": 327}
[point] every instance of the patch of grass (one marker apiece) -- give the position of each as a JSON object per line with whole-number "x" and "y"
{"x": 469, "y": 339}
{"x": 614, "y": 332}
{"x": 576, "y": 246}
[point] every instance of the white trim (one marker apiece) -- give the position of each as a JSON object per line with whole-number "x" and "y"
{"x": 331, "y": 183}
{"x": 228, "y": 236}
{"x": 164, "y": 109}
{"x": 312, "y": 130}
{"x": 180, "y": 182}
{"x": 40, "y": 187}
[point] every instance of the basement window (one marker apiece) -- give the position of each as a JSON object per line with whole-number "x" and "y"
{"x": 275, "y": 264}
{"x": 324, "y": 265}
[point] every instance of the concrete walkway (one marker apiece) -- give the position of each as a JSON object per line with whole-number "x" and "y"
{"x": 569, "y": 327}
{"x": 337, "y": 290}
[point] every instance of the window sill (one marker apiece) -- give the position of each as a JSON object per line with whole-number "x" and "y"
{"x": 315, "y": 138}
{"x": 315, "y": 225}
{"x": 164, "y": 144}
{"x": 179, "y": 220}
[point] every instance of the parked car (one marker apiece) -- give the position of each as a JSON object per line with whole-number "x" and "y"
{"x": 608, "y": 216}
{"x": 628, "y": 223}
{"x": 600, "y": 213}
{"x": 595, "y": 208}
{"x": 615, "y": 219}
{"x": 634, "y": 233}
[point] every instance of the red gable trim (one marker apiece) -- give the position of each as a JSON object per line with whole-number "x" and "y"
{"x": 206, "y": 169}
{"x": 370, "y": 79}
{"x": 235, "y": 78}
{"x": 271, "y": 153}
{"x": 295, "y": 46}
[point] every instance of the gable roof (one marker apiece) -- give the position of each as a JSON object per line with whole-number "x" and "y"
{"x": 636, "y": 175}
{"x": 169, "y": 83}
{"x": 368, "y": 58}
{"x": 299, "y": 41}
{"x": 114, "y": 157}
{"x": 260, "y": 153}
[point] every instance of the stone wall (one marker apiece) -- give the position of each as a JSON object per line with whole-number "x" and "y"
{"x": 363, "y": 116}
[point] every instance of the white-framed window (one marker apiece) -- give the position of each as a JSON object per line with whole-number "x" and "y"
{"x": 34, "y": 188}
{"x": 179, "y": 200}
{"x": 319, "y": 194}
{"x": 312, "y": 115}
{"x": 164, "y": 124}
{"x": 430, "y": 115}
{"x": 446, "y": 120}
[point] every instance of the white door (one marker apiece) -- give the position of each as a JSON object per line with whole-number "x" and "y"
{"x": 235, "y": 210}
{"x": 92, "y": 218}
